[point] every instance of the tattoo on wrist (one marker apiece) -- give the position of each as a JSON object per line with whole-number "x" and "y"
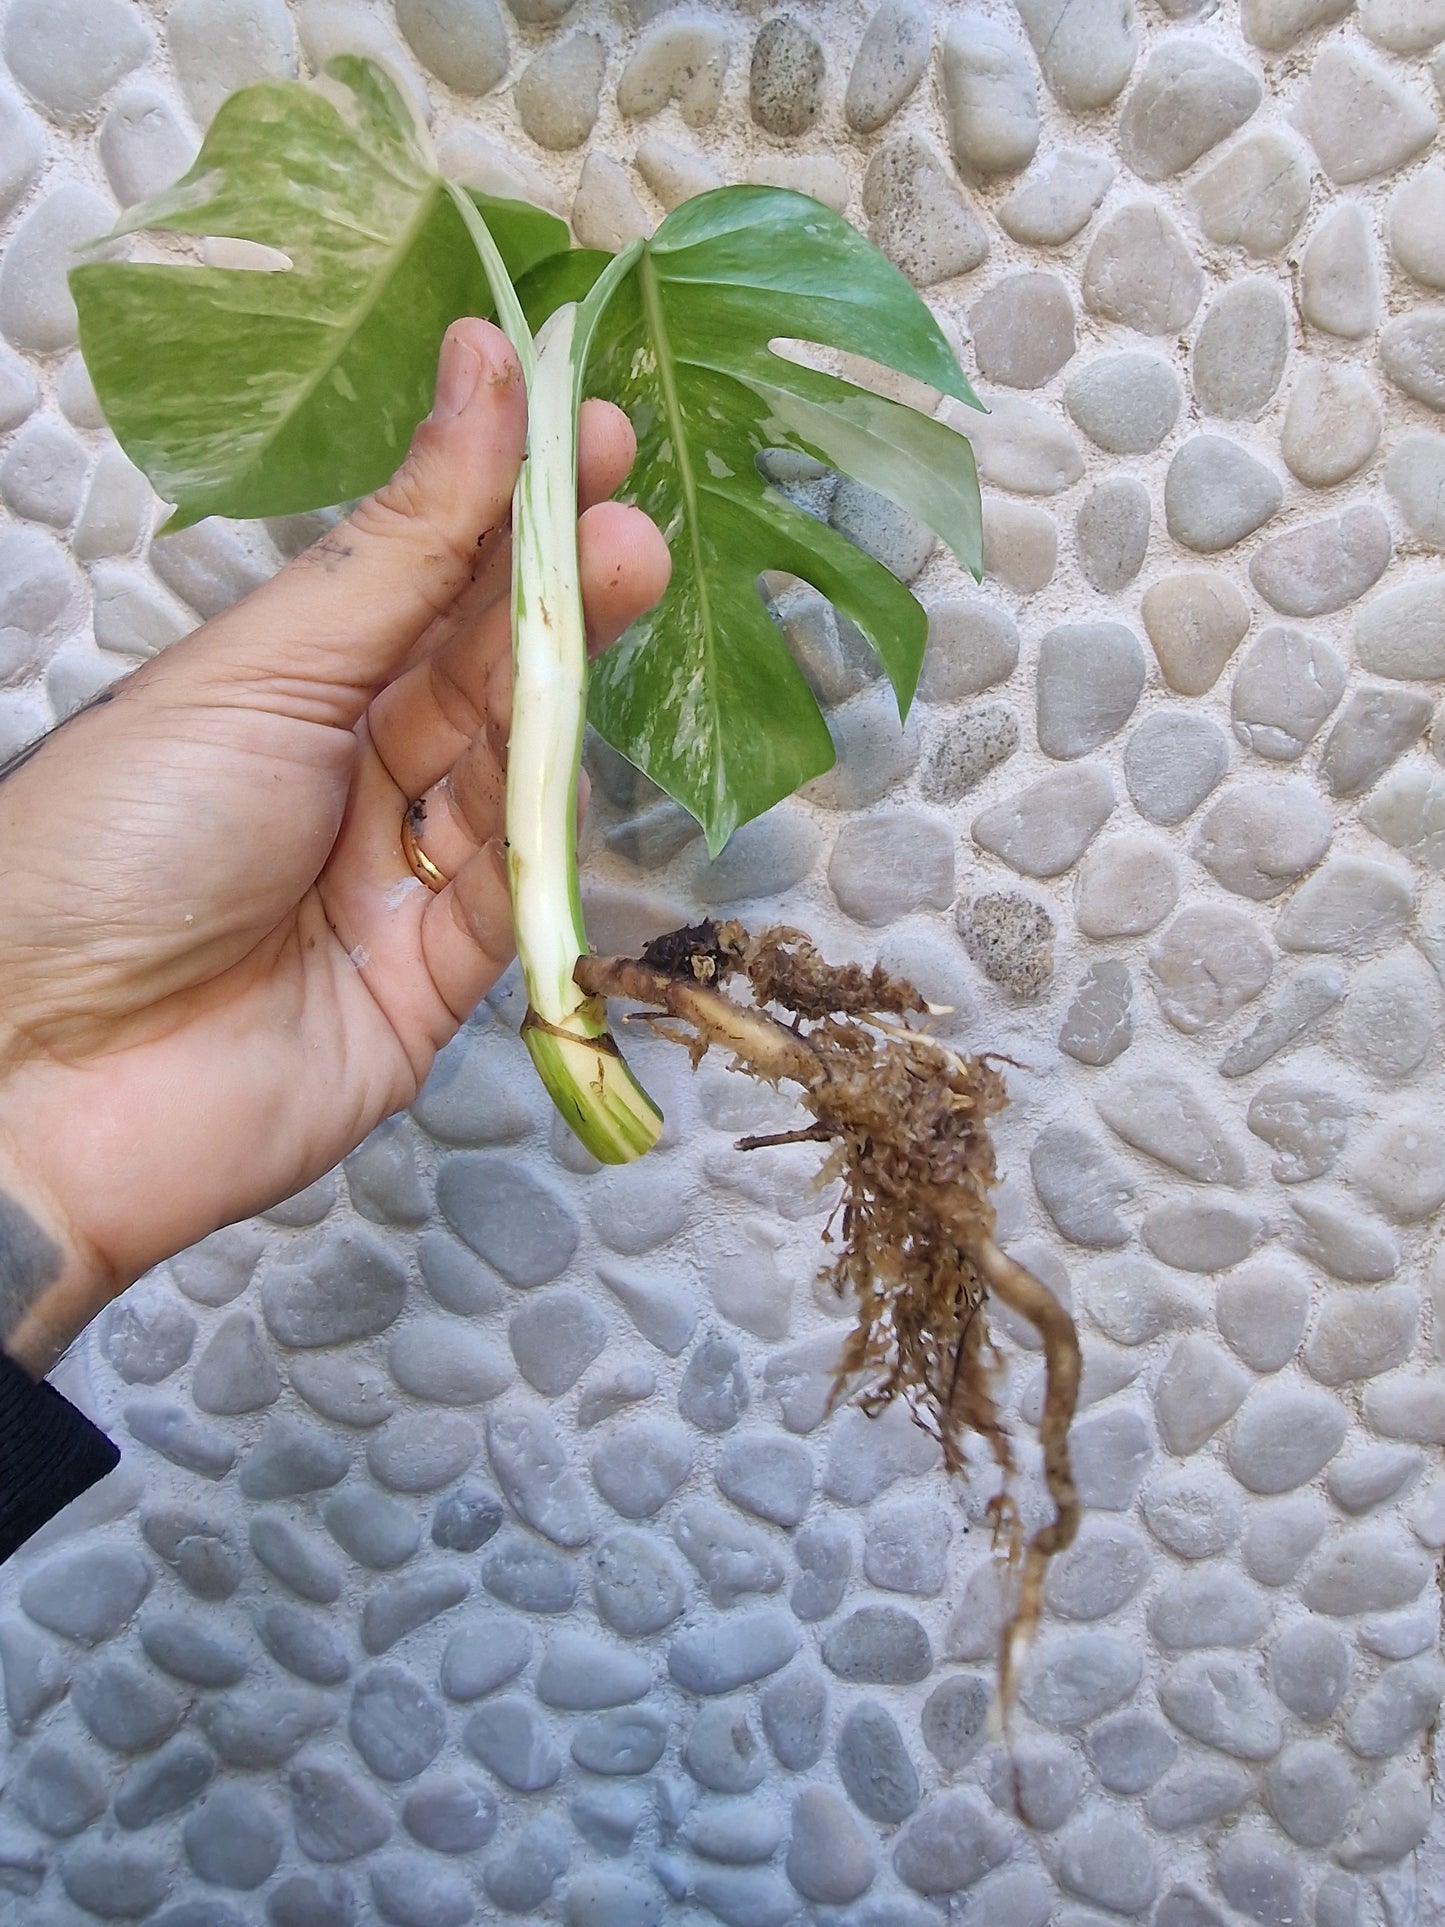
{"x": 30, "y": 1261}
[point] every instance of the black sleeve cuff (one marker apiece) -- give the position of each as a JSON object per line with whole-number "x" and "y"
{"x": 49, "y": 1454}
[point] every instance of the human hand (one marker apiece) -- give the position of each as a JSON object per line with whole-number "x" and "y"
{"x": 218, "y": 970}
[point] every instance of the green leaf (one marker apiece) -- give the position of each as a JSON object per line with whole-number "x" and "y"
{"x": 250, "y": 393}
{"x": 703, "y": 693}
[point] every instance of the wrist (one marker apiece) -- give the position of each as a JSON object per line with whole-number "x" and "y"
{"x": 52, "y": 1281}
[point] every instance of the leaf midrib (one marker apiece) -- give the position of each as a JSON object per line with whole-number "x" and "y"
{"x": 677, "y": 430}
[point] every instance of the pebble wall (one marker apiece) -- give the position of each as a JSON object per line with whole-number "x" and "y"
{"x": 482, "y": 1546}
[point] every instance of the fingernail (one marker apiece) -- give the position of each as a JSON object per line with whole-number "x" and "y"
{"x": 458, "y": 373}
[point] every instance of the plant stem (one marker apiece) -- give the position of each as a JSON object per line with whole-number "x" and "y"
{"x": 565, "y": 1030}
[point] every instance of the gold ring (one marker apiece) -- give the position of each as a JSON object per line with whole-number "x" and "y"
{"x": 419, "y": 863}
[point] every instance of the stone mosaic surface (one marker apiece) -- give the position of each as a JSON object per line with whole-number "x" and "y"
{"x": 483, "y": 1547}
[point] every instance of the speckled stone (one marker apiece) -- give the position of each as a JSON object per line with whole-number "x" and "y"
{"x": 1187, "y": 99}
{"x": 1195, "y": 621}
{"x": 785, "y": 85}
{"x": 1111, "y": 533}
{"x": 916, "y": 213}
{"x": 1057, "y": 198}
{"x": 1359, "y": 117}
{"x": 1010, "y": 937}
{"x": 1339, "y": 281}
{"x": 990, "y": 100}
{"x": 1023, "y": 329}
{"x": 1216, "y": 493}
{"x": 558, "y": 93}
{"x": 1256, "y": 195}
{"x": 1140, "y": 272}
{"x": 1086, "y": 52}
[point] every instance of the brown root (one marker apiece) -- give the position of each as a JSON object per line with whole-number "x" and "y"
{"x": 907, "y": 1120}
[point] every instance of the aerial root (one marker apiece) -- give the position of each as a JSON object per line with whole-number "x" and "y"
{"x": 907, "y": 1120}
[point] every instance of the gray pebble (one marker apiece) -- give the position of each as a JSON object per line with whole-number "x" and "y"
{"x": 1302, "y": 1000}
{"x": 785, "y": 83}
{"x": 723, "y": 1750}
{"x": 219, "y": 46}
{"x": 554, "y": 1338}
{"x": 471, "y": 1097}
{"x": 1339, "y": 283}
{"x": 558, "y": 93}
{"x": 1360, "y": 1333}
{"x": 143, "y": 145}
{"x": 1129, "y": 1752}
{"x": 1256, "y": 1873}
{"x": 1412, "y": 353}
{"x": 43, "y": 475}
{"x": 1240, "y": 350}
{"x": 1100, "y": 1572}
{"x": 395, "y": 1724}
{"x": 873, "y": 754}
{"x": 1199, "y": 1388}
{"x": 1209, "y": 1606}
{"x": 22, "y": 149}
{"x": 1127, "y": 885}
{"x": 173, "y": 1432}
{"x": 1259, "y": 839}
{"x": 401, "y": 1605}
{"x": 582, "y": 1675}
{"x": 1332, "y": 427}
{"x": 1415, "y": 478}
{"x": 1321, "y": 566}
{"x": 1392, "y": 1820}
{"x": 1351, "y": 906}
{"x": 1099, "y": 1025}
{"x": 736, "y": 1832}
{"x": 1311, "y": 1790}
{"x": 990, "y": 101}
{"x": 1216, "y": 493}
{"x": 1132, "y": 1302}
{"x": 87, "y": 1593}
{"x": 376, "y": 1531}
{"x": 411, "y": 1891}
{"x": 623, "y": 1742}
{"x": 1104, "y": 1857}
{"x": 463, "y": 42}
{"x": 1022, "y": 446}
{"x": 1020, "y": 544}
{"x": 259, "y": 1730}
{"x": 906, "y": 1548}
{"x": 878, "y": 1646}
{"x": 61, "y": 1792}
{"x": 795, "y": 1711}
{"x": 1111, "y": 1453}
{"x": 1168, "y": 1119}
{"x": 1256, "y": 195}
{"x": 1416, "y": 217}
{"x": 874, "y": 1766}
{"x": 292, "y": 1457}
{"x": 1196, "y": 1792}
{"x": 977, "y": 742}
{"x": 1285, "y": 688}
{"x": 639, "y": 1466}
{"x": 124, "y": 1707}
{"x": 1361, "y": 121}
{"x": 1401, "y": 633}
{"x": 717, "y": 1655}
{"x": 1277, "y": 24}
{"x": 1372, "y": 1477}
{"x": 636, "y": 1585}
{"x": 1402, "y": 1704}
{"x": 1262, "y": 1310}
{"x": 525, "y": 1229}
{"x": 1023, "y": 329}
{"x": 219, "y": 1268}
{"x": 954, "y": 1719}
{"x": 115, "y": 1881}
{"x": 512, "y": 1740}
{"x": 1280, "y": 1536}
{"x": 37, "y": 314}
{"x": 891, "y": 863}
{"x": 1201, "y": 1236}
{"x": 199, "y": 1652}
{"x": 68, "y": 56}
{"x": 1090, "y": 677}
{"x": 1369, "y": 1568}
{"x": 335, "y": 1816}
{"x": 201, "y": 1549}
{"x": 971, "y": 645}
{"x": 382, "y": 1178}
{"x": 1081, "y": 1186}
{"x": 482, "y": 1653}
{"x": 917, "y": 215}
{"x": 521, "y": 1878}
{"x": 341, "y": 1388}
{"x": 146, "y": 1335}
{"x": 681, "y": 60}
{"x": 19, "y": 390}
{"x": 34, "y": 1674}
{"x": 662, "y": 1311}
{"x": 1332, "y": 1231}
{"x": 236, "y": 1372}
{"x": 1310, "y": 1670}
{"x": 332, "y": 1288}
{"x": 166, "y": 1783}
{"x": 1219, "y": 1700}
{"x": 1086, "y": 52}
{"x": 1140, "y": 272}
{"x": 824, "y": 1552}
{"x": 714, "y": 1391}
{"x": 1125, "y": 403}
{"x": 305, "y": 1644}
{"x": 1187, "y": 99}
{"x": 1111, "y": 534}
{"x": 1074, "y": 1677}
{"x": 830, "y": 1859}
{"x": 772, "y": 1477}
{"x": 762, "y": 859}
{"x": 1172, "y": 762}
{"x": 1057, "y": 198}
{"x": 452, "y": 1814}
{"x": 234, "y": 1839}
{"x": 298, "y": 1558}
{"x": 466, "y": 1519}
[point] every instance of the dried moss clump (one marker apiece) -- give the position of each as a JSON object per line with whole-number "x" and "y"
{"x": 906, "y": 1123}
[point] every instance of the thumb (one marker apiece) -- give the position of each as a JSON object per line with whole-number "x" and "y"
{"x": 343, "y": 616}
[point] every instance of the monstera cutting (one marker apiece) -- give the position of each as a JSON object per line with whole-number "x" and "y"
{"x": 294, "y": 382}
